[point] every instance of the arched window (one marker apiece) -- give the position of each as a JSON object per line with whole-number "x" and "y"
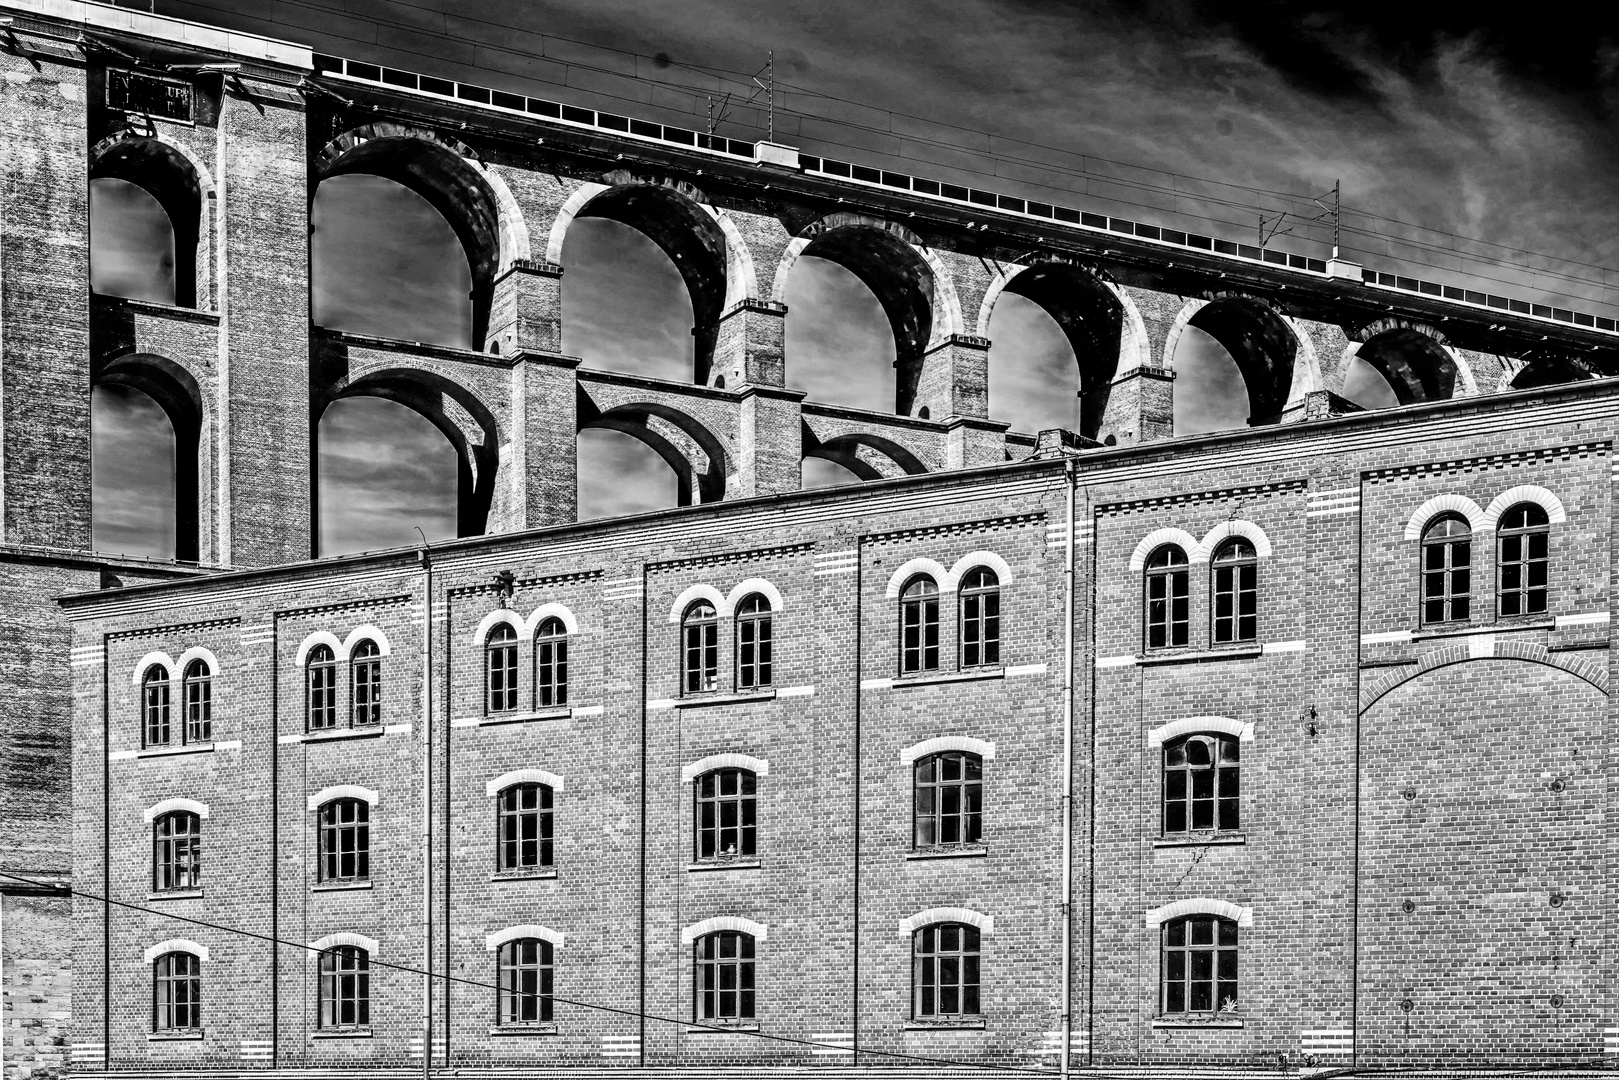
{"x": 345, "y": 988}
{"x": 177, "y": 992}
{"x": 365, "y": 683}
{"x": 1235, "y": 610}
{"x": 345, "y": 840}
{"x": 500, "y": 652}
{"x": 944, "y": 977}
{"x": 919, "y": 625}
{"x": 700, "y": 647}
{"x": 525, "y": 983}
{"x": 754, "y": 642}
{"x": 525, "y": 827}
{"x": 1447, "y": 560}
{"x": 155, "y": 706}
{"x": 177, "y": 851}
{"x": 1168, "y": 607}
{"x": 1201, "y": 784}
{"x": 321, "y": 680}
{"x": 1200, "y": 965}
{"x": 949, "y": 800}
{"x": 551, "y": 664}
{"x": 199, "y": 688}
{"x": 727, "y": 814}
{"x": 980, "y": 618}
{"x": 722, "y": 977}
{"x": 1524, "y": 537}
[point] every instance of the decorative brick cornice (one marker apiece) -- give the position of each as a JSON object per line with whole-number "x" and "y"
{"x": 1280, "y": 487}
{"x": 173, "y": 628}
{"x": 724, "y": 558}
{"x": 1491, "y": 461}
{"x": 346, "y": 605}
{"x": 550, "y": 581}
{"x": 965, "y": 528}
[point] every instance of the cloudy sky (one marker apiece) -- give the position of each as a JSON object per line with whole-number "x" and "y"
{"x": 1208, "y": 113}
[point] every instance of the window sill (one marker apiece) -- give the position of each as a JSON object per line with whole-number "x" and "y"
{"x": 963, "y": 852}
{"x": 172, "y": 751}
{"x": 174, "y": 1036}
{"x": 524, "y": 1029}
{"x": 369, "y": 731}
{"x": 175, "y": 894}
{"x": 698, "y": 701}
{"x": 524, "y": 875}
{"x": 1201, "y": 840}
{"x": 966, "y": 1023}
{"x": 1432, "y": 631}
{"x": 734, "y": 864}
{"x": 342, "y": 1033}
{"x": 928, "y": 678}
{"x": 341, "y": 886}
{"x": 533, "y": 716}
{"x": 721, "y": 1027}
{"x": 1246, "y": 651}
{"x": 1179, "y": 1023}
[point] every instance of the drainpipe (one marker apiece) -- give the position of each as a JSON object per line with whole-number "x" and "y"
{"x": 1068, "y": 779}
{"x": 427, "y": 808}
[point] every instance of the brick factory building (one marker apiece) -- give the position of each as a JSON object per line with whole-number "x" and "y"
{"x": 1313, "y": 715}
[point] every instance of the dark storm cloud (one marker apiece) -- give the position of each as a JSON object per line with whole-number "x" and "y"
{"x": 132, "y": 474}
{"x": 384, "y": 470}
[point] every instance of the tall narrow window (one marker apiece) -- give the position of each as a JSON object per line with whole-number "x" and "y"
{"x": 1200, "y": 965}
{"x": 500, "y": 653}
{"x": 1200, "y": 784}
{"x": 727, "y": 812}
{"x": 945, "y": 972}
{"x": 949, "y": 799}
{"x": 177, "y": 993}
{"x": 1235, "y": 611}
{"x": 700, "y": 647}
{"x": 321, "y": 679}
{"x": 919, "y": 625}
{"x": 525, "y": 827}
{"x": 199, "y": 690}
{"x": 1447, "y": 560}
{"x": 345, "y": 840}
{"x": 1524, "y": 539}
{"x": 345, "y": 988}
{"x": 177, "y": 851}
{"x": 365, "y": 683}
{"x": 1168, "y": 607}
{"x": 980, "y": 599}
{"x": 525, "y": 983}
{"x": 754, "y": 643}
{"x": 723, "y": 989}
{"x": 551, "y": 665}
{"x": 155, "y": 706}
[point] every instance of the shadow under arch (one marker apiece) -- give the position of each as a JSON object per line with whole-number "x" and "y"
{"x": 166, "y": 174}
{"x": 1261, "y": 343}
{"x": 697, "y": 456}
{"x": 176, "y": 393}
{"x": 870, "y": 457}
{"x": 1412, "y": 359}
{"x": 457, "y": 413}
{"x": 441, "y": 172}
{"x": 1552, "y": 370}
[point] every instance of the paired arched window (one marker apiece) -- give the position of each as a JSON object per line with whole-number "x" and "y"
{"x": 1234, "y": 587}
{"x": 500, "y": 669}
{"x": 344, "y": 841}
{"x": 177, "y": 851}
{"x": 919, "y": 625}
{"x": 754, "y": 643}
{"x": 365, "y": 683}
{"x": 949, "y": 800}
{"x": 320, "y": 680}
{"x": 723, "y": 977}
{"x": 727, "y": 814}
{"x": 1523, "y": 541}
{"x": 1199, "y": 965}
{"x": 199, "y": 697}
{"x": 551, "y": 664}
{"x": 345, "y": 988}
{"x": 980, "y": 606}
{"x": 1168, "y": 598}
{"x": 944, "y": 980}
{"x": 700, "y": 648}
{"x": 525, "y": 980}
{"x": 525, "y": 827}
{"x": 177, "y": 993}
{"x": 1201, "y": 784}
{"x": 155, "y": 706}
{"x": 1447, "y": 567}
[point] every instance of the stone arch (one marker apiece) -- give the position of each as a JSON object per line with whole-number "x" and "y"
{"x": 985, "y": 924}
{"x": 459, "y": 414}
{"x": 173, "y": 175}
{"x": 523, "y": 776}
{"x": 1448, "y": 503}
{"x": 1191, "y": 725}
{"x": 870, "y": 457}
{"x": 1225, "y": 530}
{"x": 183, "y": 945}
{"x": 914, "y": 288}
{"x": 741, "y": 924}
{"x": 1200, "y": 905}
{"x": 1414, "y": 358}
{"x": 1276, "y": 360}
{"x": 1524, "y": 493}
{"x": 692, "y": 770}
{"x": 176, "y": 392}
{"x": 1101, "y": 322}
{"x": 943, "y": 743}
{"x": 471, "y": 196}
{"x": 703, "y": 244}
{"x": 1157, "y": 538}
{"x": 1551, "y": 369}
{"x": 700, "y": 461}
{"x": 1487, "y": 646}
{"x": 493, "y": 941}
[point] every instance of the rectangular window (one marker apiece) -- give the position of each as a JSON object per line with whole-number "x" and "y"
{"x": 753, "y": 649}
{"x": 525, "y": 827}
{"x": 177, "y": 851}
{"x": 727, "y": 809}
{"x": 551, "y": 671}
{"x": 345, "y": 988}
{"x": 199, "y": 709}
{"x": 367, "y": 676}
{"x": 177, "y": 993}
{"x": 724, "y": 977}
{"x": 525, "y": 983}
{"x": 345, "y": 840}
{"x": 702, "y": 659}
